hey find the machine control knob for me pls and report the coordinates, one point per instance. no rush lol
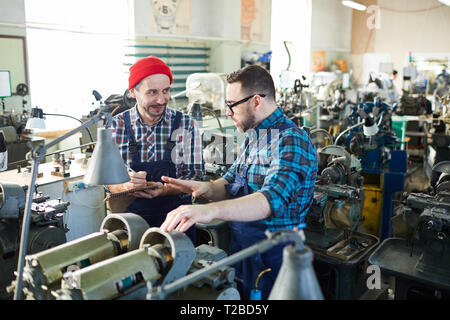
(441, 236)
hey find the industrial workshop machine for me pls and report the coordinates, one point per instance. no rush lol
(206, 96)
(47, 228)
(165, 265)
(439, 150)
(161, 258)
(332, 225)
(294, 101)
(206, 90)
(115, 104)
(420, 261)
(45, 271)
(383, 162)
(413, 204)
(336, 112)
(338, 198)
(13, 127)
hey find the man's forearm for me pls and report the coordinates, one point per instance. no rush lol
(248, 208)
(116, 188)
(218, 191)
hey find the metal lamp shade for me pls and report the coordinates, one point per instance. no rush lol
(296, 279)
(106, 165)
(35, 123)
(370, 131)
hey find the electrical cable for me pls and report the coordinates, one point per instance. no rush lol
(289, 55)
(412, 11)
(215, 116)
(259, 276)
(346, 130)
(65, 115)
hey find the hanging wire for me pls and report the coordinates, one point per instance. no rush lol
(412, 11)
(289, 54)
(259, 276)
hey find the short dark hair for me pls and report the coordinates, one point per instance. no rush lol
(254, 80)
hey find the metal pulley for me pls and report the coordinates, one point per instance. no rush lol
(119, 233)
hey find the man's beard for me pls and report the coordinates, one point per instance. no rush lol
(248, 123)
(148, 110)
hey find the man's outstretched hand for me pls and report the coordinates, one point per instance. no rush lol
(196, 188)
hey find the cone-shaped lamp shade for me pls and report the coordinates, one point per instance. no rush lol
(296, 279)
(106, 165)
(35, 123)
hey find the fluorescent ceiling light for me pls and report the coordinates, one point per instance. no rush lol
(446, 2)
(357, 6)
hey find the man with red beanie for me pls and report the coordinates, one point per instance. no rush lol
(156, 141)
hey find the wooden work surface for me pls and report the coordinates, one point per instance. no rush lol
(51, 134)
(24, 178)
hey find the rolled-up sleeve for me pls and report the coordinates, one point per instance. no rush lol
(289, 183)
(231, 173)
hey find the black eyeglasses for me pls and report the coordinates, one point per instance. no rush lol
(231, 106)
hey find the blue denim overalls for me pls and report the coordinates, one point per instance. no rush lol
(246, 234)
(154, 210)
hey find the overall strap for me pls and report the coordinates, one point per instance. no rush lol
(132, 145)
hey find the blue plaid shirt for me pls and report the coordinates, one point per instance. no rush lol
(284, 172)
(152, 141)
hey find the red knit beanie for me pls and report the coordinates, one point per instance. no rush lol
(145, 67)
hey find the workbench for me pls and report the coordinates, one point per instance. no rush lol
(86, 210)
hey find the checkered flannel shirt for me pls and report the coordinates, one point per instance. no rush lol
(152, 141)
(285, 177)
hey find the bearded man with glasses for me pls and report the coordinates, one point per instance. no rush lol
(270, 185)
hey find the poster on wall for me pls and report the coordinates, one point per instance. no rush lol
(252, 20)
(319, 60)
(171, 16)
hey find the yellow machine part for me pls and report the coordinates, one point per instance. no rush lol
(372, 209)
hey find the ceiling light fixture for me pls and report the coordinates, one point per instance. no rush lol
(354, 5)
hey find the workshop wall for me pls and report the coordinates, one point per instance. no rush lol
(216, 23)
(12, 22)
(12, 14)
(404, 26)
(419, 31)
(331, 29)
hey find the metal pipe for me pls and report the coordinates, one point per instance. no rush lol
(65, 115)
(25, 228)
(274, 239)
(71, 148)
(348, 129)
